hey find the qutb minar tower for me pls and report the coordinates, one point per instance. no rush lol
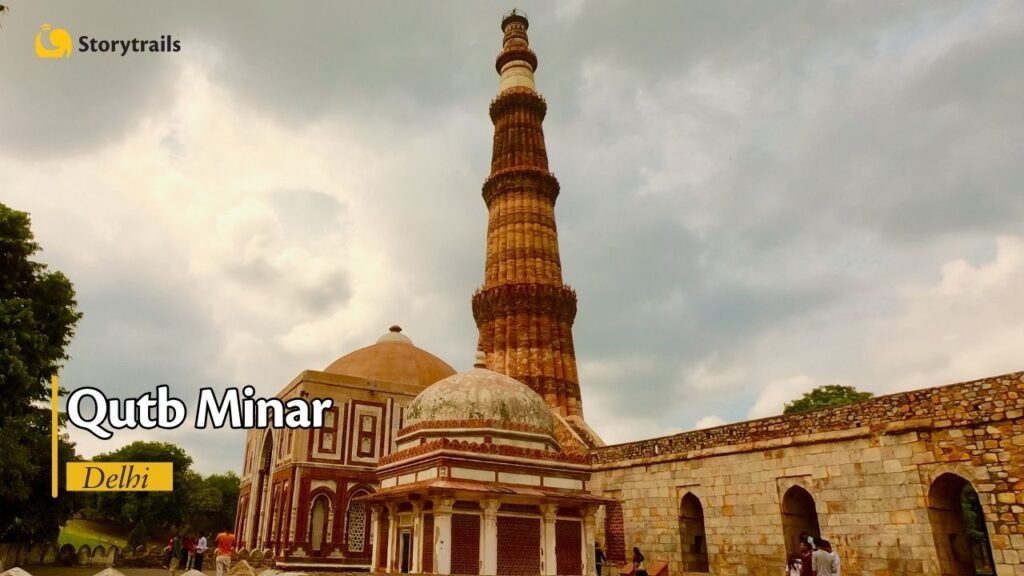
(524, 311)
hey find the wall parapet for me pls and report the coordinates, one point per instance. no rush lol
(993, 399)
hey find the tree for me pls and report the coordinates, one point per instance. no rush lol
(196, 502)
(157, 510)
(38, 314)
(830, 396)
(221, 494)
(139, 535)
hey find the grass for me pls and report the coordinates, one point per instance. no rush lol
(92, 533)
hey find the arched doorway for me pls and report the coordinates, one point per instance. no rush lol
(261, 520)
(318, 523)
(799, 515)
(958, 525)
(692, 536)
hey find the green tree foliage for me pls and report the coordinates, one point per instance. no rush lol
(38, 314)
(196, 502)
(830, 396)
(155, 509)
(139, 535)
(974, 518)
(221, 489)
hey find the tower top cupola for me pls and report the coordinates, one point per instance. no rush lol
(516, 63)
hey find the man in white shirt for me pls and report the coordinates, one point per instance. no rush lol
(835, 557)
(200, 551)
(824, 562)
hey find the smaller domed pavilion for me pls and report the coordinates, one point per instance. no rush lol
(478, 484)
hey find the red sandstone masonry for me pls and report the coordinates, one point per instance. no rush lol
(972, 403)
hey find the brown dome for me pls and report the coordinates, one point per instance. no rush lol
(393, 358)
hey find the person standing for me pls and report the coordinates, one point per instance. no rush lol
(200, 551)
(187, 547)
(174, 547)
(639, 566)
(806, 559)
(833, 557)
(225, 547)
(822, 559)
(599, 558)
(793, 566)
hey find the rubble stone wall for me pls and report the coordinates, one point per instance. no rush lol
(871, 469)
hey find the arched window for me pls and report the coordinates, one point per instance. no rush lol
(356, 525)
(318, 523)
(261, 528)
(691, 533)
(799, 515)
(958, 525)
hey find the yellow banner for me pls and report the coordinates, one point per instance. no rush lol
(120, 476)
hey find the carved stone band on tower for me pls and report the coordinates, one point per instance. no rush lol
(524, 311)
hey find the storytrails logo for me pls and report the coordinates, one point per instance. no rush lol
(57, 43)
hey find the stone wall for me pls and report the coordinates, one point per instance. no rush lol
(15, 554)
(871, 470)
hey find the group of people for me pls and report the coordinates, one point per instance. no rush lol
(186, 552)
(639, 566)
(816, 558)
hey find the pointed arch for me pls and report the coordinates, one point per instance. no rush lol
(799, 515)
(357, 522)
(319, 512)
(692, 536)
(264, 471)
(958, 527)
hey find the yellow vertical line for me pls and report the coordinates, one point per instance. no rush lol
(53, 438)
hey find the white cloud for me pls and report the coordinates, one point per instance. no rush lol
(774, 396)
(708, 422)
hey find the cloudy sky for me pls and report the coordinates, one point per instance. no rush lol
(757, 198)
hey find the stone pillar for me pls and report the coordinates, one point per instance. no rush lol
(417, 538)
(374, 536)
(589, 539)
(293, 520)
(392, 535)
(490, 537)
(549, 563)
(443, 535)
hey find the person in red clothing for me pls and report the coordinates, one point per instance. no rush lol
(225, 548)
(190, 549)
(806, 555)
(186, 543)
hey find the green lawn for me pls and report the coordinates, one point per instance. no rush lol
(79, 532)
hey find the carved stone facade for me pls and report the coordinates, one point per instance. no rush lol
(524, 311)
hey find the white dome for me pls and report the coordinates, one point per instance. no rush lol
(480, 398)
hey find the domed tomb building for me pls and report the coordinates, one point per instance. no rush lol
(300, 488)
(478, 484)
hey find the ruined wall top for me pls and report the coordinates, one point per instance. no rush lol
(956, 405)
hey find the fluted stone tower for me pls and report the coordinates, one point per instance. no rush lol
(524, 311)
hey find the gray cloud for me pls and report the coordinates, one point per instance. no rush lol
(753, 195)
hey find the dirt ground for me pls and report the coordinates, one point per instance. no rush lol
(90, 570)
